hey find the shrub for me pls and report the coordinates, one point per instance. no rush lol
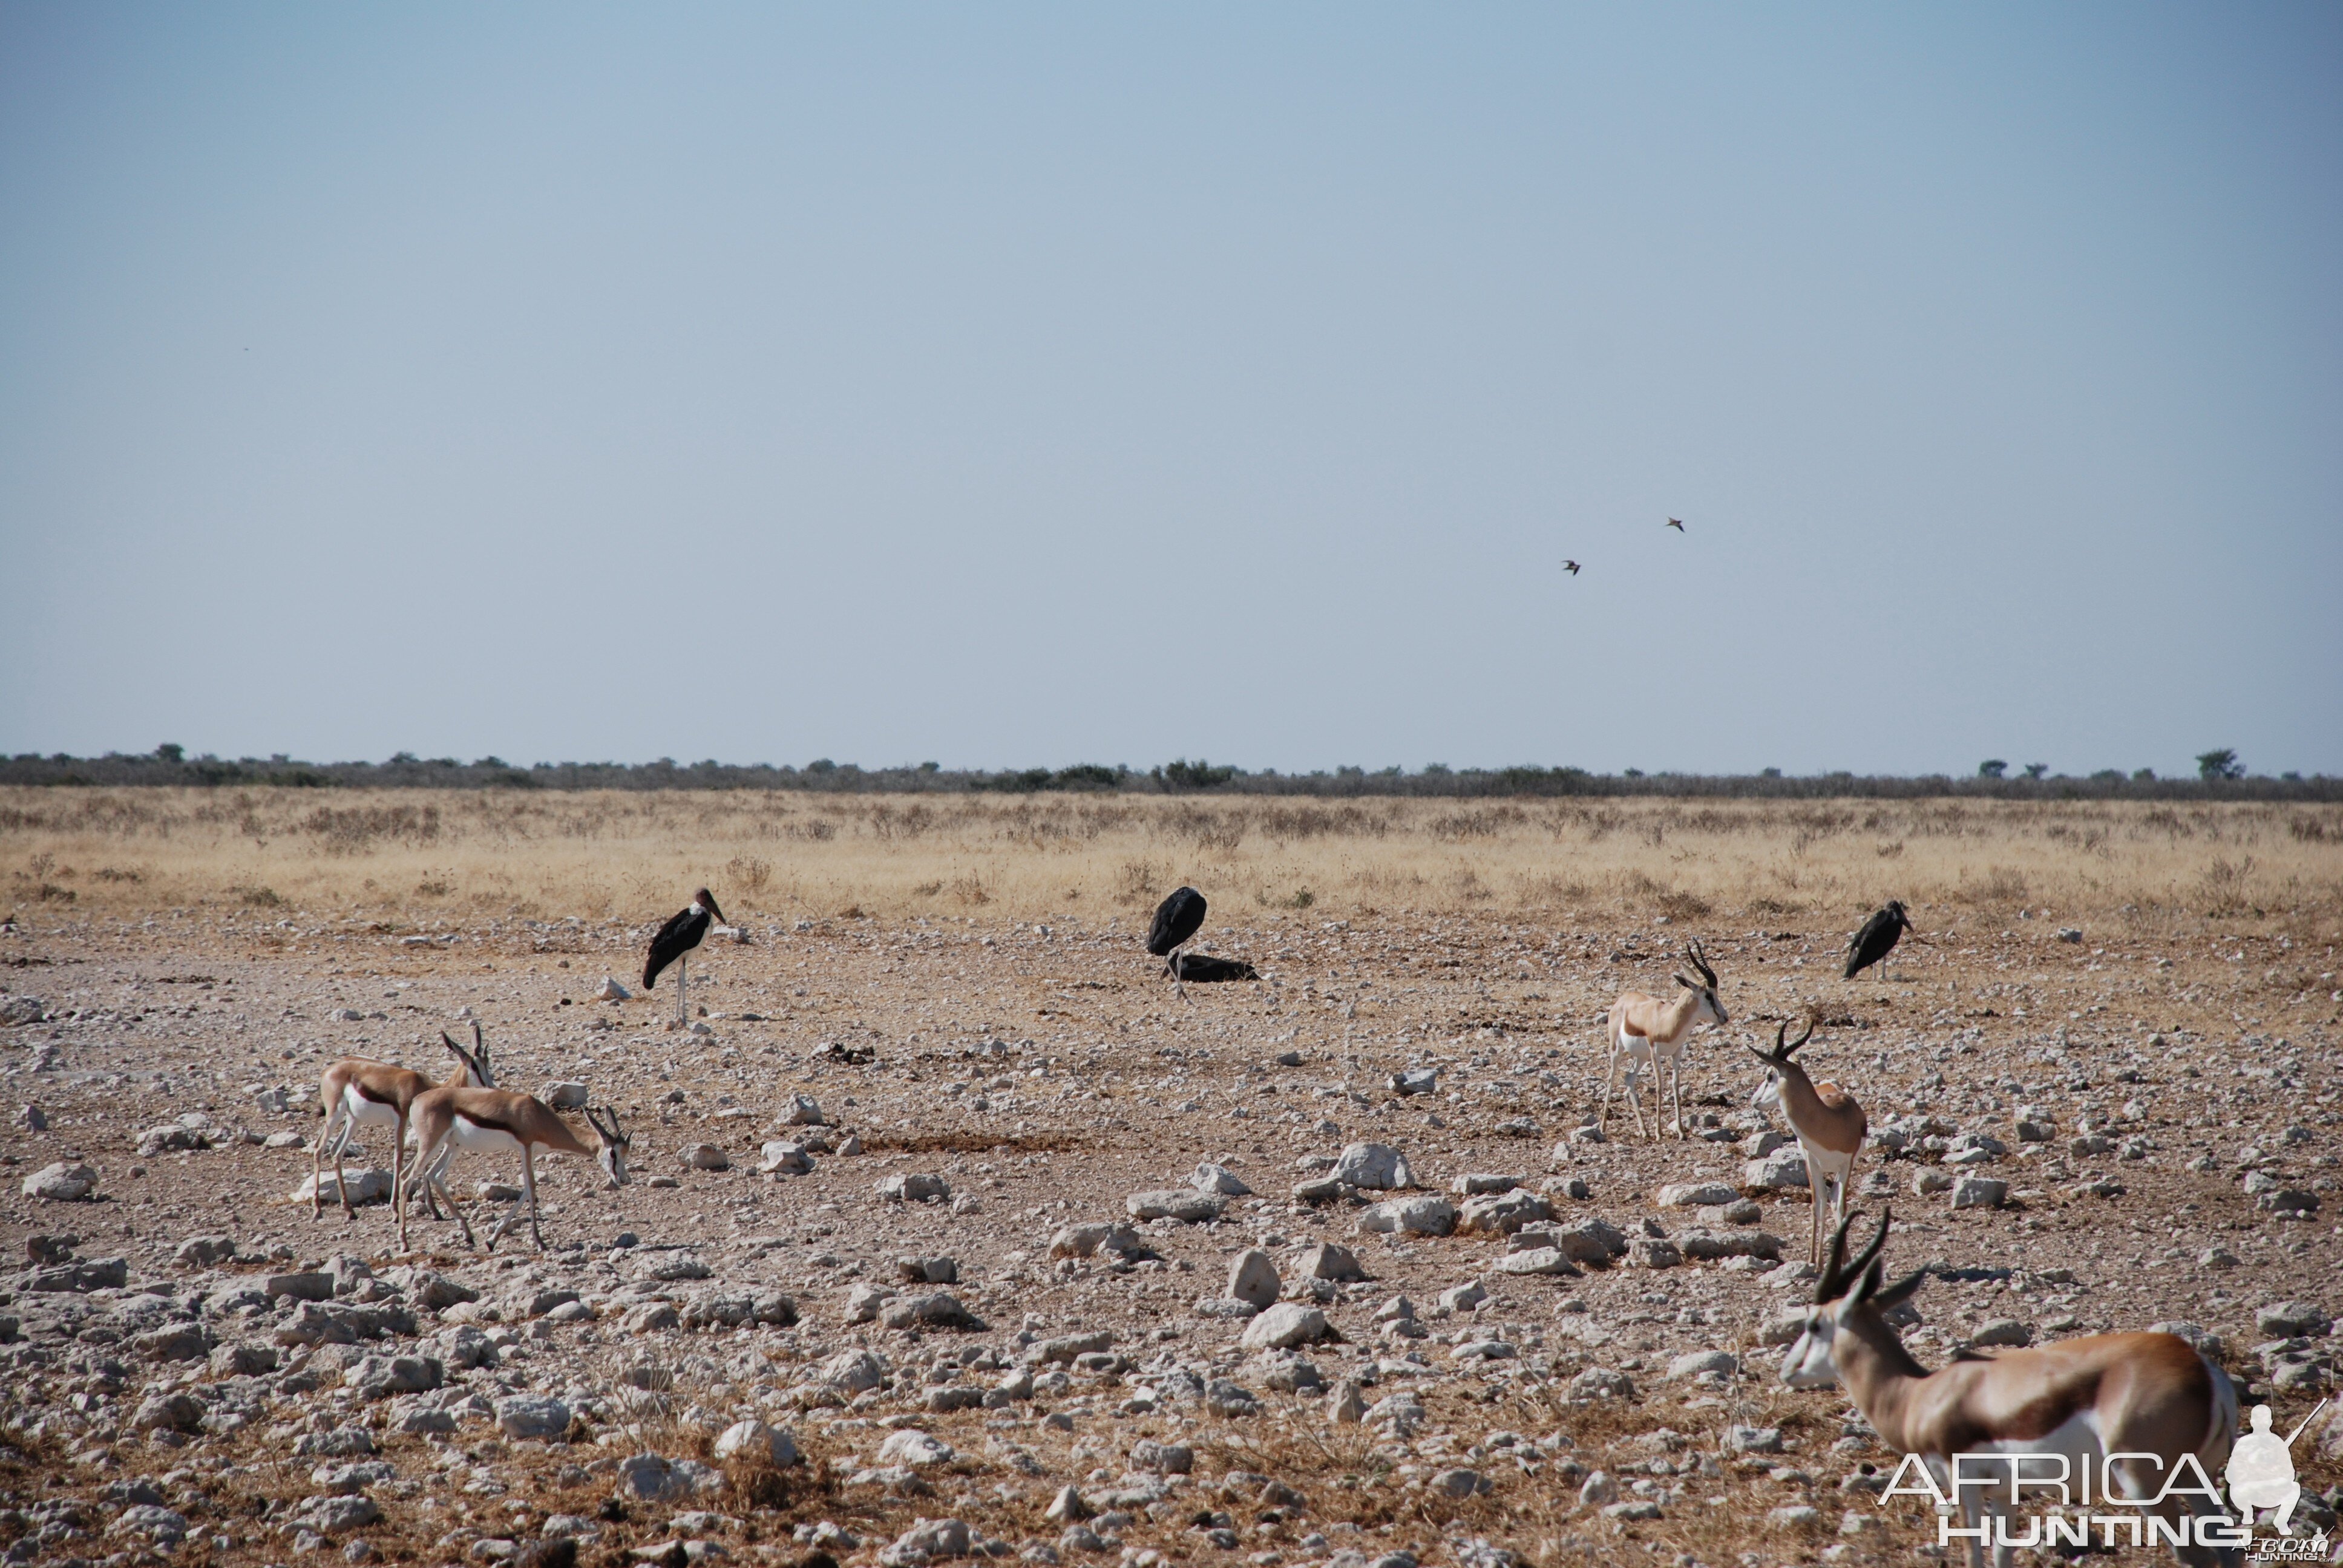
(1182, 774)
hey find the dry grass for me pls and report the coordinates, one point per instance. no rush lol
(421, 855)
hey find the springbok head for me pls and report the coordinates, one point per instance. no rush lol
(614, 1142)
(1848, 1295)
(1777, 1062)
(478, 1070)
(1708, 1007)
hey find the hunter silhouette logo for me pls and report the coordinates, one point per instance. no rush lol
(2260, 1472)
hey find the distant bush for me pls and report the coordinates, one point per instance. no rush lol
(1200, 774)
(2220, 777)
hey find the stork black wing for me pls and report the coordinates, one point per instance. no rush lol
(1872, 943)
(674, 939)
(1177, 919)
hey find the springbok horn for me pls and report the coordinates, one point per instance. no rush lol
(1794, 1045)
(1834, 1263)
(1870, 1255)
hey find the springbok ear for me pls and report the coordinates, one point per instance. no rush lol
(1901, 1292)
(449, 1043)
(480, 1040)
(1688, 985)
(1758, 1053)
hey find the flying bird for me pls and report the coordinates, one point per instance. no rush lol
(1676, 523)
(1877, 938)
(1569, 567)
(674, 945)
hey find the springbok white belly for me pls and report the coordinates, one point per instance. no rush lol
(2077, 1438)
(358, 1108)
(469, 1134)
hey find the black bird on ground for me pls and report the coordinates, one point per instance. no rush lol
(1877, 938)
(1177, 919)
(1676, 523)
(1569, 567)
(674, 945)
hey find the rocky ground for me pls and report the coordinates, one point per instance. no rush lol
(954, 1239)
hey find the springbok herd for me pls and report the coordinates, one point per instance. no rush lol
(911, 1205)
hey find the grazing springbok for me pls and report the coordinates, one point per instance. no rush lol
(2135, 1423)
(1828, 1121)
(358, 1089)
(500, 1121)
(1646, 1031)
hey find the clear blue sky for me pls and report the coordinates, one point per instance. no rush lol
(1008, 384)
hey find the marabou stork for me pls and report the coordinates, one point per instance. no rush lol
(674, 944)
(1877, 938)
(1676, 523)
(1177, 919)
(1569, 567)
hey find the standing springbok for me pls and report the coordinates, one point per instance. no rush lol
(1828, 1122)
(359, 1090)
(500, 1120)
(1646, 1031)
(2147, 1415)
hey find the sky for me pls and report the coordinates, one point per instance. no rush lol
(1025, 385)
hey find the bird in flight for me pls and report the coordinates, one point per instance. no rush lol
(1569, 567)
(1676, 523)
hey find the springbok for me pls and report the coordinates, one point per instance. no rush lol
(359, 1090)
(498, 1121)
(1646, 1031)
(2141, 1422)
(1828, 1122)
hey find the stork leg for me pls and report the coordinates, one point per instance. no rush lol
(1179, 986)
(683, 992)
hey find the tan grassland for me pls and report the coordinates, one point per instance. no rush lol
(422, 855)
